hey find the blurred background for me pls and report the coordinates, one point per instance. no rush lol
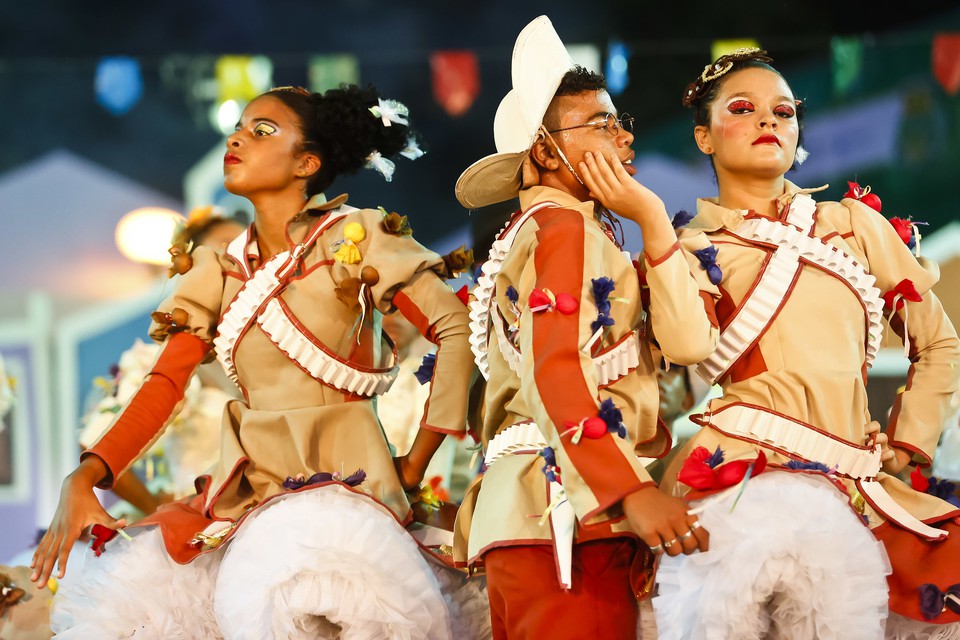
(110, 107)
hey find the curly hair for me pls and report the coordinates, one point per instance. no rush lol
(339, 127)
(580, 79)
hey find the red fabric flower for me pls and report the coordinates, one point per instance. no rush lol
(699, 474)
(905, 290)
(464, 294)
(918, 481)
(863, 195)
(904, 229)
(540, 300)
(101, 536)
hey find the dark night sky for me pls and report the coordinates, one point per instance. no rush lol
(48, 52)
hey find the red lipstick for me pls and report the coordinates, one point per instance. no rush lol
(231, 159)
(767, 139)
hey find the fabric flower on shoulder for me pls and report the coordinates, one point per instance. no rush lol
(10, 594)
(706, 471)
(395, 224)
(457, 261)
(907, 229)
(172, 322)
(863, 195)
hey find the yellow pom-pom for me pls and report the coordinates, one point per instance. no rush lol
(53, 585)
(354, 232)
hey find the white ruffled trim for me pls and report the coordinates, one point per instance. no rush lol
(319, 364)
(770, 428)
(261, 286)
(134, 590)
(901, 628)
(326, 562)
(791, 560)
(758, 309)
(524, 437)
(483, 292)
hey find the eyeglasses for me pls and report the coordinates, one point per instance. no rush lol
(610, 122)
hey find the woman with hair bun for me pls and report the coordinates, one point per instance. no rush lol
(795, 481)
(300, 529)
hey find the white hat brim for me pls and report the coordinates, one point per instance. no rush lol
(491, 180)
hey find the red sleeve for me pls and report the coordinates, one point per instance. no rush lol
(151, 408)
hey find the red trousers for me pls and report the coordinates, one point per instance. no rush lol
(526, 600)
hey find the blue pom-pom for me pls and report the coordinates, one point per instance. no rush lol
(512, 294)
(610, 414)
(716, 458)
(708, 260)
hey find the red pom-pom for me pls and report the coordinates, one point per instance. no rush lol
(863, 195)
(594, 428)
(918, 481)
(464, 294)
(567, 304)
(872, 201)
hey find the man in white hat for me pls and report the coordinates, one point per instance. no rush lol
(563, 331)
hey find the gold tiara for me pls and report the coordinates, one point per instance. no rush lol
(718, 68)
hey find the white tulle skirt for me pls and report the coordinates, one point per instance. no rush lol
(791, 561)
(325, 563)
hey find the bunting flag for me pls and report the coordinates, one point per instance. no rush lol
(618, 56)
(723, 47)
(329, 72)
(846, 61)
(456, 80)
(118, 84)
(242, 78)
(946, 61)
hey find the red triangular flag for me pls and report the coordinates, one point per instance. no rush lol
(456, 80)
(946, 61)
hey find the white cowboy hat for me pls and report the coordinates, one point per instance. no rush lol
(539, 63)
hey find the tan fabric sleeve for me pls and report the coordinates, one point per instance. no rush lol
(920, 412)
(409, 282)
(199, 292)
(682, 301)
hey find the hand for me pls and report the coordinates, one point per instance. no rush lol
(78, 509)
(410, 476)
(893, 460)
(662, 522)
(614, 188)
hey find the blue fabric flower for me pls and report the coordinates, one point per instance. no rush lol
(549, 467)
(811, 466)
(425, 372)
(610, 414)
(708, 260)
(943, 489)
(602, 288)
(682, 219)
(299, 481)
(512, 294)
(716, 458)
